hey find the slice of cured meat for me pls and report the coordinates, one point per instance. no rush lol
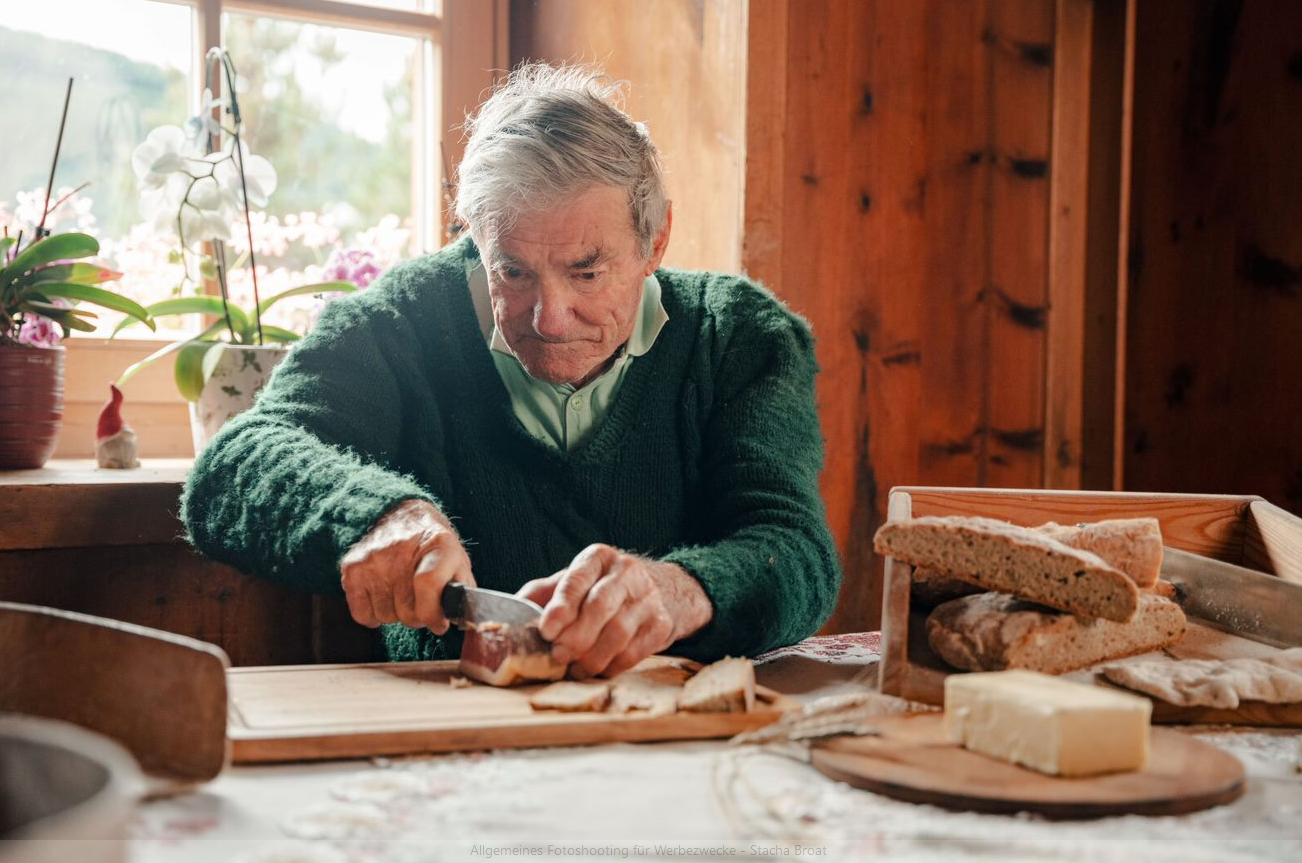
(502, 655)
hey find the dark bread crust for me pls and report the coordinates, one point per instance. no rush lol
(994, 631)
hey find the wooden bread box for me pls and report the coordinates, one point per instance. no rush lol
(1241, 529)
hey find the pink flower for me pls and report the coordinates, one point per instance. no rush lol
(351, 265)
(40, 332)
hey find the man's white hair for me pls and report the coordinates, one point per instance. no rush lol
(546, 134)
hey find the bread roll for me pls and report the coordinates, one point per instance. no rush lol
(995, 631)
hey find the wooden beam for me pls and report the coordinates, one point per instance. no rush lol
(1124, 251)
(1068, 220)
(763, 205)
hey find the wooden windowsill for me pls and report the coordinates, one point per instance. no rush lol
(71, 503)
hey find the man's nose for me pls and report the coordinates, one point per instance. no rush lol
(551, 311)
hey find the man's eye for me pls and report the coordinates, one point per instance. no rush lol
(510, 272)
(589, 275)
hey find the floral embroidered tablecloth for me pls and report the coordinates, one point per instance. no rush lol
(670, 801)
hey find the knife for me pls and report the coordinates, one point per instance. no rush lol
(464, 605)
(1241, 601)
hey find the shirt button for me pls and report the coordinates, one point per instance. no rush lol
(576, 402)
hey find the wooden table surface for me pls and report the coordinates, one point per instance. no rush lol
(665, 801)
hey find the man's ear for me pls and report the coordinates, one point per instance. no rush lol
(661, 242)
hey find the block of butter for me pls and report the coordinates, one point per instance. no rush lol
(1047, 724)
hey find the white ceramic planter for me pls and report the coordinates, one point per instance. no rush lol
(240, 375)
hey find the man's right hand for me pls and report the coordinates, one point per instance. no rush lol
(397, 571)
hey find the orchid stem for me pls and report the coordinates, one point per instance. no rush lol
(58, 144)
(238, 151)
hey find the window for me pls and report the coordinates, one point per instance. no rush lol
(356, 104)
(336, 96)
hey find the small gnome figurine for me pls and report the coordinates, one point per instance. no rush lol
(115, 441)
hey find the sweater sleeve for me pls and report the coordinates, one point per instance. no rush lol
(288, 486)
(770, 567)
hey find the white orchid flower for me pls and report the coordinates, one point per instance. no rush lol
(203, 124)
(182, 186)
(204, 223)
(161, 154)
(259, 175)
(159, 203)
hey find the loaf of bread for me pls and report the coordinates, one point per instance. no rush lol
(1000, 556)
(727, 686)
(1132, 545)
(995, 631)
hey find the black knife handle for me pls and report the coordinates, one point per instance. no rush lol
(454, 602)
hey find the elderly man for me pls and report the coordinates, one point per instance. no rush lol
(541, 408)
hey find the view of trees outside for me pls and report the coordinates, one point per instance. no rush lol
(329, 108)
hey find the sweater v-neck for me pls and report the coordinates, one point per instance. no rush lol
(497, 402)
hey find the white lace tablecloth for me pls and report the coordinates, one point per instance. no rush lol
(690, 800)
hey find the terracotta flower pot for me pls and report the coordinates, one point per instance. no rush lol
(239, 376)
(31, 404)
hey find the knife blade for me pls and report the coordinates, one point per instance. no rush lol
(1234, 599)
(464, 605)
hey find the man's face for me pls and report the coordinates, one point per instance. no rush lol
(565, 284)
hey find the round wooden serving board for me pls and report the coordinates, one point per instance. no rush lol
(913, 760)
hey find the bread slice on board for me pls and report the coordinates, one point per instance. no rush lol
(570, 696)
(726, 686)
(997, 555)
(1132, 545)
(995, 631)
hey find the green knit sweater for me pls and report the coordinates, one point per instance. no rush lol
(709, 456)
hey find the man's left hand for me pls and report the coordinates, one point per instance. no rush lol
(609, 610)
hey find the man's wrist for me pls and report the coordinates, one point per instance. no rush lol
(694, 610)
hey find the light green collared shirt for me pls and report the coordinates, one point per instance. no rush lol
(559, 414)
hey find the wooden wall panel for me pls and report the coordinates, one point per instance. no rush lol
(912, 173)
(1215, 251)
(1019, 36)
(685, 61)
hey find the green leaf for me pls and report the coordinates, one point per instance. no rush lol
(206, 335)
(191, 361)
(5, 243)
(202, 305)
(99, 297)
(67, 319)
(51, 248)
(318, 288)
(50, 310)
(211, 359)
(273, 333)
(82, 274)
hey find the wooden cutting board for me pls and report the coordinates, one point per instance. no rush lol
(303, 713)
(913, 760)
